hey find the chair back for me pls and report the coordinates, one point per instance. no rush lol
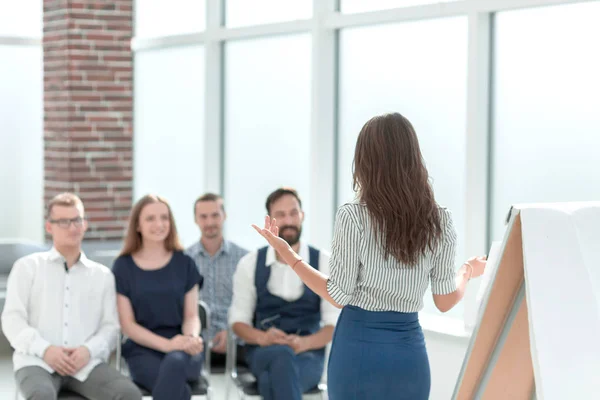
(13, 249)
(204, 314)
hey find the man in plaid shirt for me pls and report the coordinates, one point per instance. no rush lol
(216, 259)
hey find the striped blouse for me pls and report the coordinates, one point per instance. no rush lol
(361, 276)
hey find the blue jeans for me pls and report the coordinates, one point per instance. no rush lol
(284, 375)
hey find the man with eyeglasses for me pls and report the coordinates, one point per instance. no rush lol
(285, 325)
(60, 315)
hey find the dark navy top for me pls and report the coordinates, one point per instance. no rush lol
(157, 296)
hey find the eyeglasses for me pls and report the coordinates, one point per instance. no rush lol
(66, 223)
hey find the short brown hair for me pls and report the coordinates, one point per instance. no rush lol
(209, 197)
(279, 193)
(63, 199)
(133, 239)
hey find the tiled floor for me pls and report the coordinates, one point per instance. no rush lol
(7, 382)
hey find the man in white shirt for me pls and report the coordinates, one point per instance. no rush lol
(285, 325)
(60, 315)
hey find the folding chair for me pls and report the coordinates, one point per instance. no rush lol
(201, 387)
(10, 251)
(243, 380)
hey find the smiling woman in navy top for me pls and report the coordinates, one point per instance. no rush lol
(157, 300)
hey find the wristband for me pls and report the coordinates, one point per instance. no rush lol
(297, 261)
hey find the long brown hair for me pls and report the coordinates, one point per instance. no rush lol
(391, 180)
(133, 239)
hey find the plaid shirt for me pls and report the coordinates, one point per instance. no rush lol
(218, 280)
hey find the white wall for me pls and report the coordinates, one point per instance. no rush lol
(446, 354)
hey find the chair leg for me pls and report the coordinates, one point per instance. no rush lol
(241, 394)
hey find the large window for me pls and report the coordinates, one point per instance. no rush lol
(21, 120)
(154, 18)
(546, 130)
(356, 6)
(245, 96)
(169, 126)
(21, 141)
(21, 18)
(499, 108)
(255, 12)
(267, 128)
(419, 70)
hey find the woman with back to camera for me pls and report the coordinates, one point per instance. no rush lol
(157, 300)
(387, 246)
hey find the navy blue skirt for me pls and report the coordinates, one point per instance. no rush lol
(379, 356)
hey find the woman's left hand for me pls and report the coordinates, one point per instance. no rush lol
(271, 233)
(478, 265)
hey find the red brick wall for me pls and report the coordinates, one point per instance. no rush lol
(88, 79)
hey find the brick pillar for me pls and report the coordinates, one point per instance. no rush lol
(88, 106)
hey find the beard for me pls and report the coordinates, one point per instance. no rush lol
(291, 234)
